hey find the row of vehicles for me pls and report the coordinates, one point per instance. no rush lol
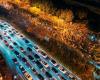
(31, 55)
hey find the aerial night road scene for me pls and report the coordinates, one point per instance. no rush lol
(49, 39)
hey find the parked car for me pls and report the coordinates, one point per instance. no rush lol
(61, 77)
(62, 69)
(42, 53)
(44, 63)
(40, 77)
(54, 62)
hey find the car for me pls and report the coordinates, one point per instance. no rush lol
(10, 31)
(29, 49)
(17, 33)
(16, 53)
(5, 28)
(13, 29)
(15, 60)
(22, 69)
(25, 40)
(39, 65)
(21, 36)
(30, 57)
(98, 63)
(40, 77)
(1, 26)
(48, 75)
(61, 77)
(22, 49)
(24, 52)
(70, 76)
(34, 71)
(35, 47)
(6, 24)
(15, 43)
(67, 73)
(24, 60)
(62, 69)
(6, 43)
(43, 70)
(5, 33)
(53, 79)
(9, 38)
(28, 76)
(74, 78)
(54, 70)
(44, 63)
(1, 37)
(10, 47)
(36, 56)
(30, 45)
(42, 53)
(28, 64)
(54, 62)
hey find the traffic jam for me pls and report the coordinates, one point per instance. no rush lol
(30, 61)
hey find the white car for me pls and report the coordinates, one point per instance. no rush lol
(62, 69)
(42, 53)
(44, 63)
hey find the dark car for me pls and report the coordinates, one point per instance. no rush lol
(26, 41)
(39, 64)
(53, 62)
(9, 38)
(6, 43)
(10, 47)
(36, 47)
(15, 43)
(24, 59)
(10, 31)
(28, 64)
(30, 57)
(54, 70)
(34, 71)
(16, 53)
(22, 49)
(40, 77)
(21, 35)
(1, 26)
(29, 49)
(22, 68)
(1, 37)
(36, 56)
(15, 60)
(48, 75)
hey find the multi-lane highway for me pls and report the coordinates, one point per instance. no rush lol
(26, 59)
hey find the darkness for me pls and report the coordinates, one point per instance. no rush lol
(94, 22)
(59, 4)
(93, 18)
(3, 11)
